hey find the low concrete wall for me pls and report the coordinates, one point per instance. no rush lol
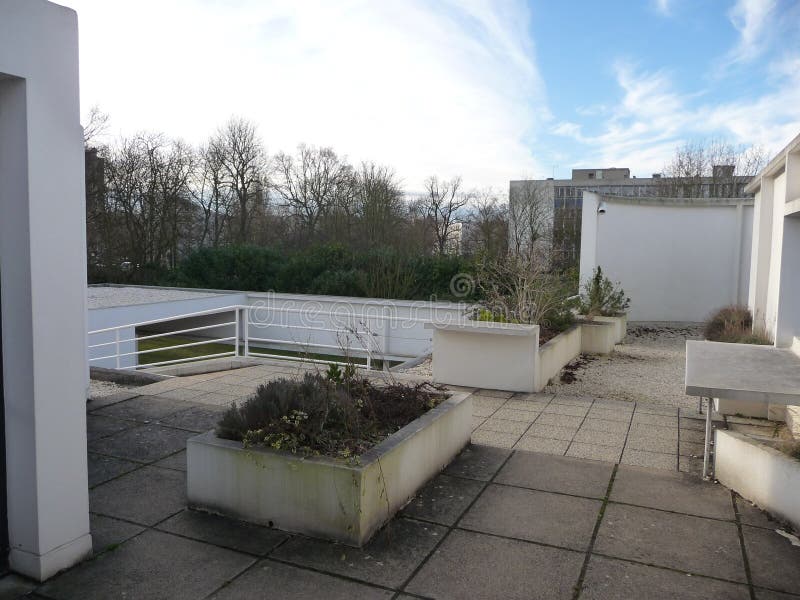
(320, 496)
(484, 354)
(555, 354)
(757, 410)
(598, 337)
(620, 325)
(765, 476)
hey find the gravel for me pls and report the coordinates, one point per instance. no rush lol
(98, 389)
(648, 367)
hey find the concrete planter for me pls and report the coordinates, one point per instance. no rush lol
(485, 354)
(620, 325)
(598, 337)
(556, 354)
(765, 476)
(321, 496)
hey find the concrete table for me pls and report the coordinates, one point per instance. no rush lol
(740, 372)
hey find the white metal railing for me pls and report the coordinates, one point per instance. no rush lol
(358, 340)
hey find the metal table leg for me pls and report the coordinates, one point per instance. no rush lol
(707, 446)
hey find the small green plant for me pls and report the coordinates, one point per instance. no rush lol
(336, 415)
(734, 324)
(602, 297)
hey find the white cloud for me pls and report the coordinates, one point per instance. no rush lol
(427, 88)
(663, 7)
(750, 18)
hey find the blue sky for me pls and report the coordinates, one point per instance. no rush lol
(490, 90)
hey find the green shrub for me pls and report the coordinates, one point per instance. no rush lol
(249, 268)
(601, 296)
(339, 415)
(734, 324)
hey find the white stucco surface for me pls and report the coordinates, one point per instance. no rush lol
(113, 296)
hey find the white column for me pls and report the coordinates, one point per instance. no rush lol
(42, 265)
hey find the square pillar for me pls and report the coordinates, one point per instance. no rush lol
(43, 274)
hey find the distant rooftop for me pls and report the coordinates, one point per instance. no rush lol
(112, 296)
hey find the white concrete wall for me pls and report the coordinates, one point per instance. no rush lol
(676, 261)
(43, 271)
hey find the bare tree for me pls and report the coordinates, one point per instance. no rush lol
(487, 225)
(214, 195)
(313, 185)
(531, 218)
(710, 169)
(443, 202)
(96, 126)
(240, 153)
(379, 205)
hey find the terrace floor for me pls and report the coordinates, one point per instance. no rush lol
(498, 523)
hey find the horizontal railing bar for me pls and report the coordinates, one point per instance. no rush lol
(309, 344)
(165, 348)
(147, 337)
(212, 311)
(180, 360)
(297, 359)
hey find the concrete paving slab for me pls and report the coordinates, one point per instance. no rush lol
(691, 449)
(477, 422)
(144, 409)
(774, 561)
(108, 533)
(682, 542)
(104, 468)
(555, 519)
(524, 416)
(673, 491)
(653, 431)
(554, 432)
(689, 423)
(482, 567)
(145, 496)
(653, 460)
(609, 415)
(444, 499)
(13, 586)
(651, 419)
(99, 427)
(526, 405)
(483, 411)
(224, 532)
(532, 443)
(611, 404)
(487, 402)
(477, 462)
(693, 466)
(572, 400)
(655, 409)
(291, 583)
(101, 401)
(652, 445)
(566, 409)
(749, 514)
(144, 444)
(184, 394)
(494, 394)
(175, 461)
(601, 438)
(494, 438)
(609, 454)
(556, 474)
(692, 435)
(559, 420)
(198, 419)
(535, 397)
(388, 560)
(505, 426)
(610, 579)
(151, 566)
(596, 424)
(762, 594)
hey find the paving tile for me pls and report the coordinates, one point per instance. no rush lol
(108, 532)
(653, 445)
(553, 432)
(556, 474)
(172, 383)
(750, 514)
(221, 531)
(532, 443)
(650, 419)
(595, 452)
(153, 565)
(690, 465)
(610, 404)
(595, 424)
(485, 402)
(565, 409)
(653, 460)
(672, 491)
(389, 559)
(559, 420)
(653, 431)
(523, 416)
(101, 401)
(683, 542)
(184, 394)
(144, 409)
(501, 425)
(609, 415)
(218, 399)
(98, 426)
(601, 438)
(145, 496)
(773, 559)
(477, 462)
(198, 419)
(175, 461)
(696, 424)
(555, 519)
(291, 583)
(494, 394)
(654, 409)
(610, 579)
(14, 586)
(444, 499)
(535, 397)
(145, 444)
(692, 435)
(762, 594)
(526, 405)
(482, 567)
(494, 438)
(477, 422)
(572, 401)
(482, 411)
(691, 449)
(104, 468)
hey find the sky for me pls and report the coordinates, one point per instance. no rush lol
(490, 90)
